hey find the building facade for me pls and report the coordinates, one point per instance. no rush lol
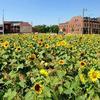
(16, 27)
(1, 28)
(81, 25)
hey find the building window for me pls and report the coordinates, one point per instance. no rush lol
(1, 28)
(76, 20)
(85, 25)
(77, 29)
(79, 25)
(6, 27)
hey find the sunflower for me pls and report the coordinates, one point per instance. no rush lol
(47, 46)
(94, 75)
(43, 72)
(35, 37)
(58, 44)
(89, 41)
(61, 62)
(38, 88)
(18, 49)
(63, 43)
(40, 43)
(82, 64)
(81, 76)
(98, 74)
(5, 44)
(31, 57)
(82, 54)
(49, 37)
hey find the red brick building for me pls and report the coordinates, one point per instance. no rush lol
(79, 25)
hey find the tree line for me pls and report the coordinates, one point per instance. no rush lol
(46, 29)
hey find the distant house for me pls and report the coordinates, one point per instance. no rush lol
(16, 27)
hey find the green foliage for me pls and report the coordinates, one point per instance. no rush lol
(49, 67)
(9, 95)
(46, 29)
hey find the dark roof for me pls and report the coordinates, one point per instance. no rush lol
(19, 22)
(92, 19)
(13, 21)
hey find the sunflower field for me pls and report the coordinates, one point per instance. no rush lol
(49, 67)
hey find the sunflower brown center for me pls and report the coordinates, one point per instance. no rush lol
(18, 48)
(82, 63)
(82, 54)
(94, 75)
(6, 44)
(37, 87)
(61, 62)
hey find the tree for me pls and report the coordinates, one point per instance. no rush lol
(46, 29)
(54, 29)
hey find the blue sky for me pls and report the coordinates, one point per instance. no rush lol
(47, 11)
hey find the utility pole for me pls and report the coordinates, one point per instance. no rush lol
(59, 23)
(32, 26)
(3, 21)
(84, 9)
